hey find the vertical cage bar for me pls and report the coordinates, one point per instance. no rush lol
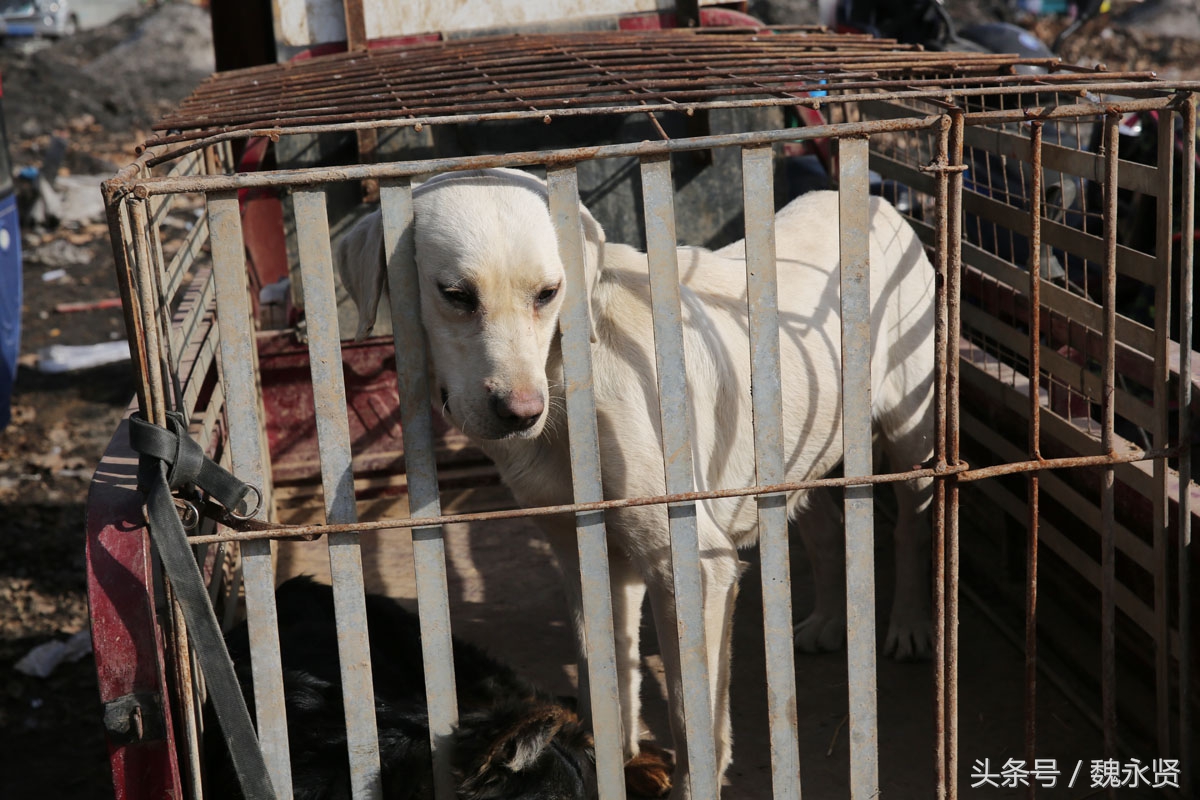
(855, 233)
(117, 214)
(941, 354)
(187, 696)
(1035, 421)
(954, 218)
(658, 197)
(170, 355)
(1161, 433)
(586, 483)
(337, 481)
(762, 292)
(1108, 640)
(148, 305)
(246, 450)
(416, 420)
(1187, 252)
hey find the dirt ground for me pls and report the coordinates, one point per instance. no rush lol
(100, 90)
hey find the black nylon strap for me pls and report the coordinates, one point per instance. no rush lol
(188, 465)
(179, 564)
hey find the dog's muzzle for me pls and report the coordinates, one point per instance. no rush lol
(518, 410)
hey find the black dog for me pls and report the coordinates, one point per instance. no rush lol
(512, 740)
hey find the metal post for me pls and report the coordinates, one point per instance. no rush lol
(585, 478)
(148, 306)
(245, 434)
(762, 293)
(337, 480)
(416, 420)
(855, 232)
(1108, 621)
(954, 217)
(941, 354)
(1035, 453)
(1187, 251)
(658, 195)
(1161, 432)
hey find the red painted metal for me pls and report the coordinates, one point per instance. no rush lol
(125, 635)
(369, 369)
(262, 221)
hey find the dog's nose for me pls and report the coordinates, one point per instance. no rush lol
(519, 408)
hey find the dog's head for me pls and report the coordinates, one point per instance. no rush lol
(523, 752)
(492, 284)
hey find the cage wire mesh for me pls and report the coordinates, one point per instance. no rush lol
(1071, 413)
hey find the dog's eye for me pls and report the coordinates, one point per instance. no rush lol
(546, 295)
(460, 298)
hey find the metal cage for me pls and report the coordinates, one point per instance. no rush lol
(1042, 380)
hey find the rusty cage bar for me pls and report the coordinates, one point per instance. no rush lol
(1028, 350)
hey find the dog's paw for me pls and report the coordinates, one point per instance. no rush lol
(820, 633)
(648, 774)
(909, 641)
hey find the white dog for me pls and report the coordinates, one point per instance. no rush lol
(492, 284)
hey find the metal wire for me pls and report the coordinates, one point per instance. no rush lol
(548, 76)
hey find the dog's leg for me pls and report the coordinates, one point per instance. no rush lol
(628, 593)
(647, 767)
(820, 528)
(720, 570)
(561, 536)
(648, 770)
(910, 631)
(662, 604)
(720, 597)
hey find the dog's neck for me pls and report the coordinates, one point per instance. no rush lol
(538, 470)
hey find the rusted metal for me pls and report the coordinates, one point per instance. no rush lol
(546, 72)
(117, 214)
(1160, 430)
(1066, 462)
(356, 26)
(148, 306)
(162, 153)
(255, 530)
(1187, 251)
(941, 355)
(527, 78)
(169, 360)
(1035, 453)
(1108, 618)
(954, 214)
(409, 169)
(190, 722)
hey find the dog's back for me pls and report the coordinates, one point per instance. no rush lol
(716, 341)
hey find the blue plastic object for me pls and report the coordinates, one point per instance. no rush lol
(10, 302)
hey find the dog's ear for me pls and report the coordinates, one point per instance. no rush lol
(359, 259)
(593, 260)
(508, 747)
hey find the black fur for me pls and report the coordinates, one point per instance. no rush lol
(512, 741)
